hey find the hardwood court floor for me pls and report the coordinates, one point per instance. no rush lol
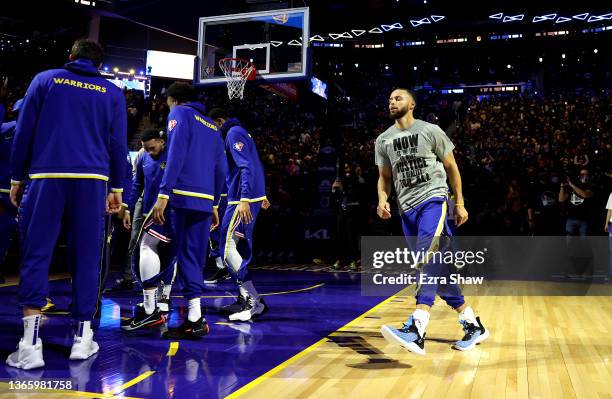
(540, 347)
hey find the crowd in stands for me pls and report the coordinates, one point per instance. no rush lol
(514, 152)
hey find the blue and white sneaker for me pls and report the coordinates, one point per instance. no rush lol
(474, 334)
(407, 337)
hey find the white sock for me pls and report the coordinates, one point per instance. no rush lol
(219, 263)
(468, 315)
(166, 291)
(248, 289)
(149, 258)
(233, 259)
(84, 329)
(421, 319)
(149, 300)
(31, 324)
(195, 311)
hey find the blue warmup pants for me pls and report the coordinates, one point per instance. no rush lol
(47, 205)
(232, 226)
(192, 231)
(422, 226)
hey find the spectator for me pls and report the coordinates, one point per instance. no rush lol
(608, 229)
(578, 207)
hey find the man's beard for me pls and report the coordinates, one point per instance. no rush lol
(398, 114)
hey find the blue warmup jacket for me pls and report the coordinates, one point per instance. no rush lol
(127, 182)
(146, 182)
(246, 180)
(72, 124)
(7, 131)
(194, 174)
(2, 114)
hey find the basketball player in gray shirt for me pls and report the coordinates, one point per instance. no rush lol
(416, 156)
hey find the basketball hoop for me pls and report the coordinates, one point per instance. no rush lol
(237, 71)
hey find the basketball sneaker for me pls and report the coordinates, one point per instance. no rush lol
(141, 319)
(220, 275)
(252, 308)
(234, 307)
(188, 330)
(407, 337)
(83, 347)
(27, 356)
(49, 307)
(474, 334)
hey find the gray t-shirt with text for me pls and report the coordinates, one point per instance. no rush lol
(415, 156)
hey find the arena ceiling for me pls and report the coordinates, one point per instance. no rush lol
(336, 15)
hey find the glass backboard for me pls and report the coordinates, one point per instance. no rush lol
(276, 42)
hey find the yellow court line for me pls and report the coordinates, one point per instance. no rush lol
(173, 348)
(303, 353)
(267, 294)
(62, 392)
(128, 384)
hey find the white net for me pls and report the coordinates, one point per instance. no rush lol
(237, 71)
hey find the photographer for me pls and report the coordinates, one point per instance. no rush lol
(348, 193)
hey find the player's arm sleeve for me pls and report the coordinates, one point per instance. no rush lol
(178, 145)
(221, 170)
(21, 150)
(118, 145)
(441, 143)
(380, 156)
(242, 154)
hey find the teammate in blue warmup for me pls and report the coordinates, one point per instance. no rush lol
(192, 184)
(154, 263)
(417, 156)
(8, 212)
(246, 192)
(216, 252)
(71, 144)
